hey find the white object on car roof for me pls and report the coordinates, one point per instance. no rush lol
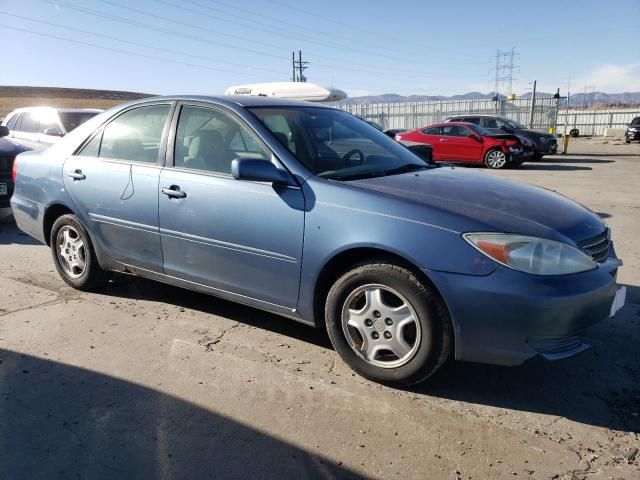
(309, 92)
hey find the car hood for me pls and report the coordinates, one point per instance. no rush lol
(464, 200)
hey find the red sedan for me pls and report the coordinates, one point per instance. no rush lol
(467, 143)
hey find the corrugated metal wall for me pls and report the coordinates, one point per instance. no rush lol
(548, 113)
(595, 122)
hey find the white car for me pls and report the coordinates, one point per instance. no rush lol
(41, 127)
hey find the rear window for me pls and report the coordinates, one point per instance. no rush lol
(71, 120)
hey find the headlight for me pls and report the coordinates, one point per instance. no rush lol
(631, 129)
(514, 148)
(543, 139)
(531, 254)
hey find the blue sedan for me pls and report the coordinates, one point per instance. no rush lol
(310, 213)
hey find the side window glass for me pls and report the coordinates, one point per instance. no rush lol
(29, 123)
(475, 120)
(491, 123)
(135, 135)
(280, 127)
(92, 148)
(46, 123)
(431, 131)
(208, 139)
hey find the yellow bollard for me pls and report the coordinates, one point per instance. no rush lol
(565, 144)
(552, 130)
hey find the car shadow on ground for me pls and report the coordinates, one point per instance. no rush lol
(10, 234)
(60, 421)
(563, 159)
(142, 289)
(551, 167)
(599, 387)
(607, 155)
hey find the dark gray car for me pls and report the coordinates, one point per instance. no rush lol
(543, 143)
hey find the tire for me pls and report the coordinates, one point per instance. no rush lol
(496, 159)
(420, 320)
(537, 157)
(627, 141)
(574, 133)
(74, 255)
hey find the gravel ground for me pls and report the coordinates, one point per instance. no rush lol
(144, 380)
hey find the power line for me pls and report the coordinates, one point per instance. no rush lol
(154, 47)
(201, 39)
(307, 30)
(157, 29)
(93, 45)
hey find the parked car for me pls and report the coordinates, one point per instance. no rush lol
(633, 130)
(252, 199)
(543, 143)
(391, 132)
(41, 127)
(8, 152)
(468, 143)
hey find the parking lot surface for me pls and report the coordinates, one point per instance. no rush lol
(144, 380)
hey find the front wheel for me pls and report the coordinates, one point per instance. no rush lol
(74, 256)
(387, 325)
(495, 159)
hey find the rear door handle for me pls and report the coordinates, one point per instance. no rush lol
(173, 192)
(77, 175)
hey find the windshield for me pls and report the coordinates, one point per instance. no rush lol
(478, 129)
(71, 120)
(337, 145)
(513, 124)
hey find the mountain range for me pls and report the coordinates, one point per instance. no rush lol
(577, 99)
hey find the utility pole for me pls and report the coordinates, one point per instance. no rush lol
(293, 66)
(533, 104)
(565, 139)
(300, 66)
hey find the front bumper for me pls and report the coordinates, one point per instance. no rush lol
(508, 317)
(549, 147)
(632, 135)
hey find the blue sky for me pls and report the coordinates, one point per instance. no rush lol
(363, 47)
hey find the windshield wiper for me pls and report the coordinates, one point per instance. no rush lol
(409, 167)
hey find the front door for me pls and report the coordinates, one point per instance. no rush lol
(240, 238)
(113, 180)
(461, 147)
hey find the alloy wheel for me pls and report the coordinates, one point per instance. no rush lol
(381, 326)
(71, 251)
(496, 159)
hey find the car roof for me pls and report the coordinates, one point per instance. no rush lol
(242, 100)
(478, 115)
(56, 109)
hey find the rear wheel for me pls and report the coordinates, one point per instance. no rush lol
(388, 325)
(74, 256)
(495, 158)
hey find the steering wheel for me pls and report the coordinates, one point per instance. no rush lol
(347, 157)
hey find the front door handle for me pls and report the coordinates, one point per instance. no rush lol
(173, 192)
(77, 175)
(443, 139)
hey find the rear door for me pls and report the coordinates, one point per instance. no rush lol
(242, 239)
(433, 136)
(113, 181)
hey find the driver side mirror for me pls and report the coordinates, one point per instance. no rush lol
(54, 132)
(4, 131)
(475, 137)
(258, 170)
(505, 128)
